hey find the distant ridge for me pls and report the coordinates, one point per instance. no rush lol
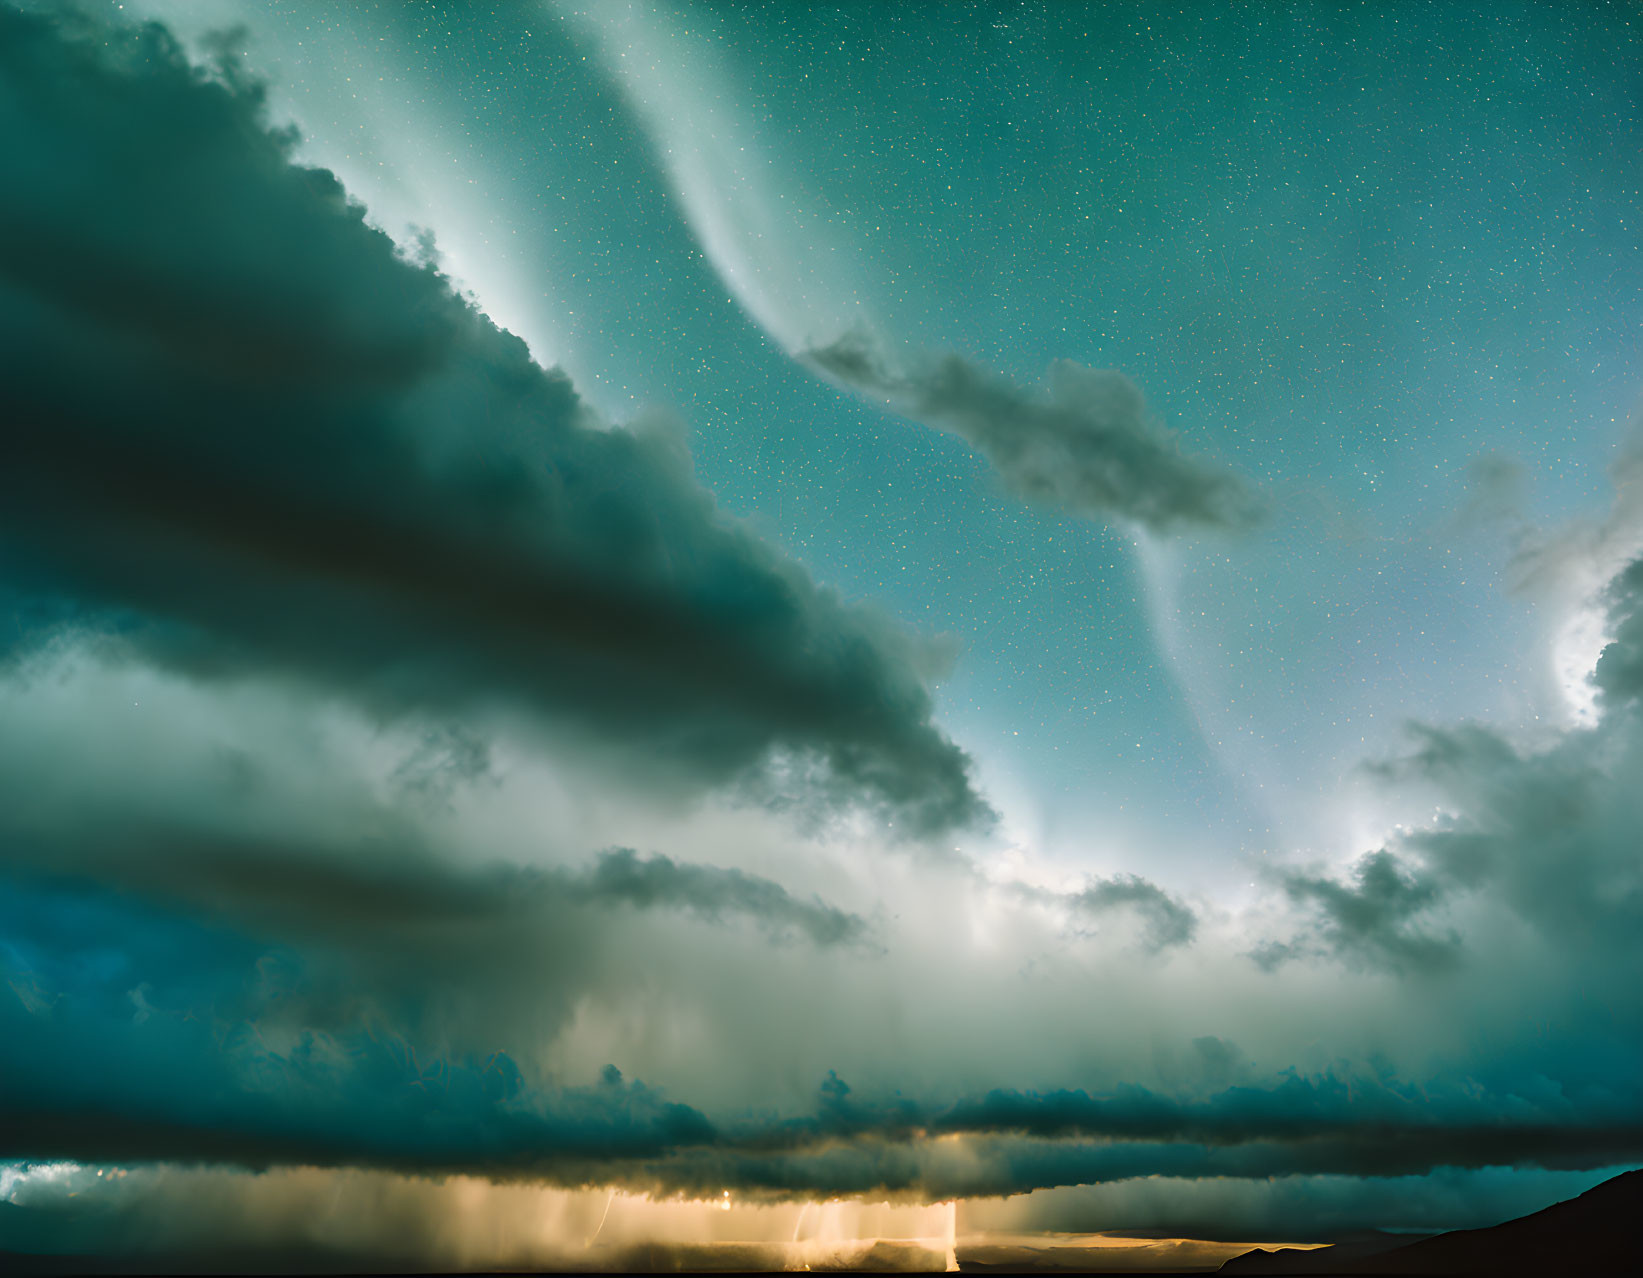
(1598, 1233)
(1311, 1260)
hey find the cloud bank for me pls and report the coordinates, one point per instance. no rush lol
(245, 432)
(1089, 446)
(1544, 835)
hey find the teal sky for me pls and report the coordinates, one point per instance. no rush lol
(1361, 255)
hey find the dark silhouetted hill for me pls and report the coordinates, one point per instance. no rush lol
(1598, 1233)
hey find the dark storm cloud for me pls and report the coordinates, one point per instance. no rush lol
(127, 1033)
(1552, 837)
(1353, 1123)
(1167, 921)
(1089, 447)
(196, 1064)
(367, 924)
(388, 886)
(623, 876)
(164, 1086)
(1007, 1165)
(251, 437)
(1548, 837)
(1619, 673)
(1376, 919)
(235, 1048)
(1015, 1142)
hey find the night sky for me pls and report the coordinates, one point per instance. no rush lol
(610, 608)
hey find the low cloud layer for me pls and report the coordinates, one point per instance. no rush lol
(217, 1088)
(290, 996)
(1088, 446)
